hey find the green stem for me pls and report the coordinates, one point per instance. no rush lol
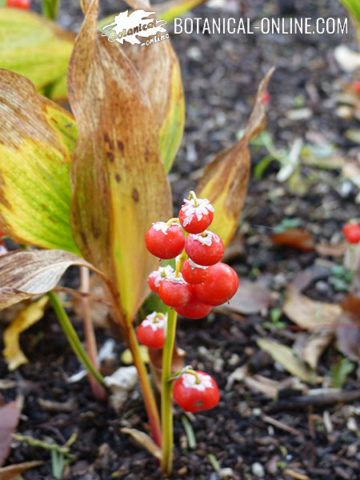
(73, 338)
(166, 389)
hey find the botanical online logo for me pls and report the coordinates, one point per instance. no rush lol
(134, 27)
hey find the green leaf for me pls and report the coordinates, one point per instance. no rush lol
(120, 184)
(33, 46)
(340, 372)
(36, 140)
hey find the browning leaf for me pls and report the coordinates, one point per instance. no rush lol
(36, 140)
(295, 238)
(120, 184)
(225, 179)
(27, 273)
(160, 74)
(144, 440)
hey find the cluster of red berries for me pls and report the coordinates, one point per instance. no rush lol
(22, 4)
(351, 232)
(200, 280)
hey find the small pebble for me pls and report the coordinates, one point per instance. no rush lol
(258, 470)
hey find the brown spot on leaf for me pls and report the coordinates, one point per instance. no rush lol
(110, 156)
(120, 145)
(108, 141)
(117, 178)
(135, 195)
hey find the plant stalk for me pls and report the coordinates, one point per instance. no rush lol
(148, 394)
(166, 390)
(73, 338)
(89, 333)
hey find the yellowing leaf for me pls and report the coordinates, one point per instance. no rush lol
(159, 70)
(287, 358)
(33, 46)
(36, 140)
(26, 318)
(27, 273)
(225, 179)
(175, 8)
(120, 184)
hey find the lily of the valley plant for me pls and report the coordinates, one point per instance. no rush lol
(86, 187)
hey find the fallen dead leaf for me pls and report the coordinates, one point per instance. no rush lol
(13, 471)
(331, 250)
(25, 319)
(348, 327)
(9, 418)
(287, 358)
(250, 298)
(144, 440)
(295, 238)
(316, 344)
(308, 313)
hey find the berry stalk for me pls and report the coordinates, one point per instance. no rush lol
(166, 391)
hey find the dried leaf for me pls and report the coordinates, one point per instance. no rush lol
(27, 273)
(348, 337)
(26, 318)
(250, 298)
(33, 46)
(144, 440)
(160, 73)
(315, 346)
(9, 418)
(308, 313)
(36, 140)
(331, 250)
(225, 179)
(287, 358)
(295, 238)
(120, 184)
(156, 363)
(13, 471)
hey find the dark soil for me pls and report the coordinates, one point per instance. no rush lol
(220, 75)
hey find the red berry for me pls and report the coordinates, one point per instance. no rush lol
(204, 249)
(194, 309)
(221, 285)
(151, 331)
(351, 231)
(156, 277)
(266, 97)
(193, 396)
(23, 4)
(196, 215)
(356, 87)
(194, 273)
(165, 241)
(174, 292)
